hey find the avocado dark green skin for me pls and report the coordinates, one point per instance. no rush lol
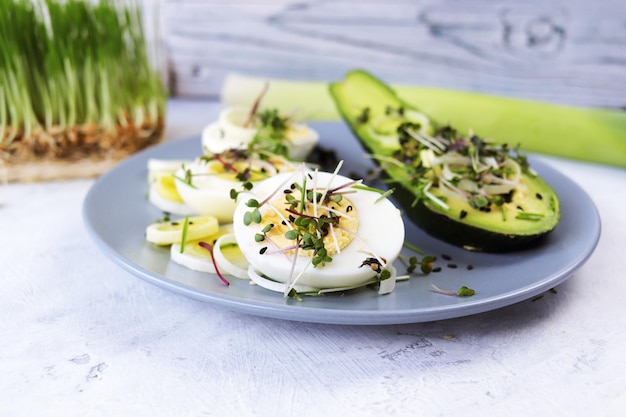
(471, 232)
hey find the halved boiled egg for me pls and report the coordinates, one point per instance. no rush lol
(158, 168)
(162, 192)
(205, 184)
(233, 130)
(164, 195)
(228, 132)
(309, 229)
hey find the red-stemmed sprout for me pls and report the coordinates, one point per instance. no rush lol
(209, 247)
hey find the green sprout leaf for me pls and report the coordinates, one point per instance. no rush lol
(465, 291)
(247, 218)
(256, 216)
(292, 234)
(385, 274)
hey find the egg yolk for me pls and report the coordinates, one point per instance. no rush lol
(232, 171)
(336, 234)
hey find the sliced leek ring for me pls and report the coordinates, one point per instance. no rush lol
(228, 257)
(167, 233)
(230, 260)
(194, 256)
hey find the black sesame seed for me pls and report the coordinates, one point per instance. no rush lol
(174, 223)
(292, 218)
(446, 257)
(263, 250)
(470, 267)
(287, 191)
(348, 209)
(284, 223)
(293, 186)
(520, 208)
(462, 214)
(453, 266)
(437, 269)
(539, 196)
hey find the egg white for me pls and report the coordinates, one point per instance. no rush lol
(206, 196)
(209, 193)
(166, 205)
(228, 133)
(161, 167)
(380, 233)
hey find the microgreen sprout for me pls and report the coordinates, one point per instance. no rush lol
(245, 186)
(186, 179)
(412, 247)
(294, 294)
(253, 216)
(529, 216)
(209, 247)
(227, 165)
(463, 291)
(260, 237)
(183, 239)
(425, 264)
(255, 105)
(482, 172)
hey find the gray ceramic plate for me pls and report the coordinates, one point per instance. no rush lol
(116, 214)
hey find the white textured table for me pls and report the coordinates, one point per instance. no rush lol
(79, 336)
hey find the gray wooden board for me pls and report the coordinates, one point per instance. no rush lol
(571, 52)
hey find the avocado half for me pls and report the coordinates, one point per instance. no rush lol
(530, 212)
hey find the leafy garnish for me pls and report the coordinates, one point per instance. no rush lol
(183, 239)
(209, 247)
(463, 291)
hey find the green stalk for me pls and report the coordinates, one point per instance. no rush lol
(586, 134)
(3, 114)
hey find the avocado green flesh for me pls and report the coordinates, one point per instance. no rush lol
(533, 209)
(531, 213)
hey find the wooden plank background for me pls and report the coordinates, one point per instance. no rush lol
(571, 52)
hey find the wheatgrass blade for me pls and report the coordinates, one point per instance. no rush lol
(68, 63)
